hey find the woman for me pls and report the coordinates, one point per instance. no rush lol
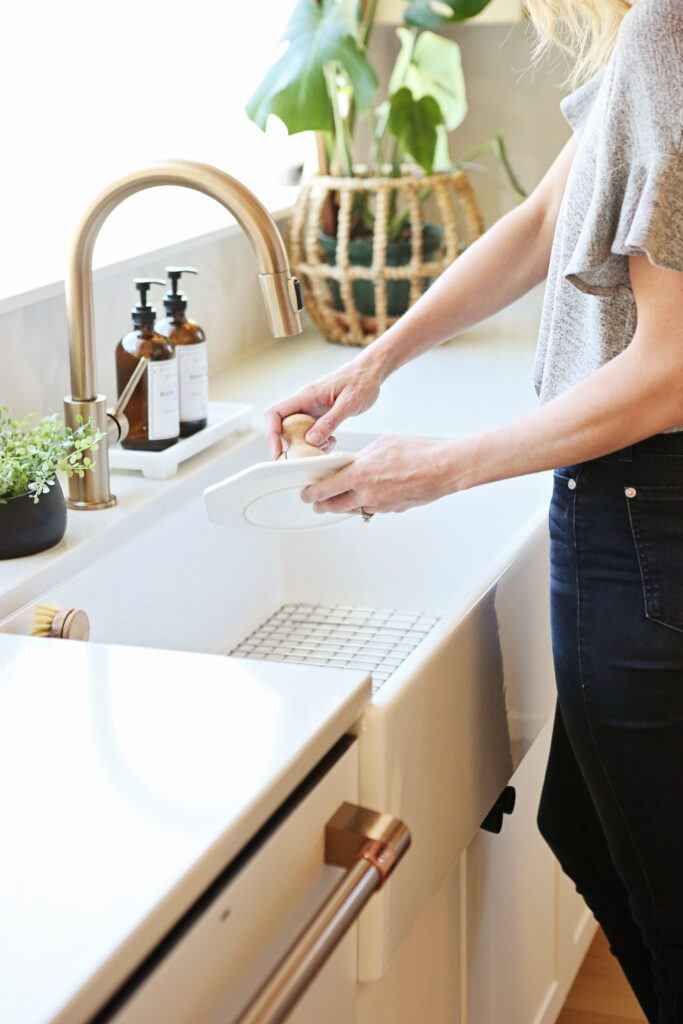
(605, 226)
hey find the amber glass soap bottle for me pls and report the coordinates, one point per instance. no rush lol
(189, 342)
(152, 410)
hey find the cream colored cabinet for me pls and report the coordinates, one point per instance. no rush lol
(527, 928)
(511, 882)
(502, 939)
(425, 977)
(484, 951)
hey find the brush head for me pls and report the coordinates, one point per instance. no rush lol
(60, 623)
(41, 619)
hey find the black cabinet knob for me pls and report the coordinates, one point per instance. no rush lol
(493, 822)
(505, 804)
(506, 800)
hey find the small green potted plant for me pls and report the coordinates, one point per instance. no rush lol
(364, 209)
(32, 508)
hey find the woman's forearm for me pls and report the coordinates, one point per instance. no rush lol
(632, 397)
(508, 260)
(501, 265)
(636, 395)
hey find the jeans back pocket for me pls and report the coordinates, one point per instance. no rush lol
(656, 516)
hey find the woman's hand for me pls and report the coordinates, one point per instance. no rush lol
(391, 475)
(346, 392)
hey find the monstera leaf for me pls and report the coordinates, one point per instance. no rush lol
(431, 66)
(432, 13)
(414, 123)
(294, 89)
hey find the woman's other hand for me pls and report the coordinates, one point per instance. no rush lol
(346, 392)
(390, 475)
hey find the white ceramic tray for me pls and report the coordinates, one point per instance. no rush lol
(224, 418)
(268, 495)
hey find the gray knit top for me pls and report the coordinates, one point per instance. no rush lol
(624, 195)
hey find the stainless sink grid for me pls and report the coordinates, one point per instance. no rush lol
(338, 636)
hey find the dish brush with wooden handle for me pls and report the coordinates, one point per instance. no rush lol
(60, 623)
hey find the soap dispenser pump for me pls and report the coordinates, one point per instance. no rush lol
(152, 410)
(189, 342)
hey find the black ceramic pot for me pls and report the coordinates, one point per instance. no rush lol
(27, 527)
(398, 254)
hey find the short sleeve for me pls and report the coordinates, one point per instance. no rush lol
(640, 212)
(577, 105)
(627, 180)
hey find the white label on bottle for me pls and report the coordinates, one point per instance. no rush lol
(162, 399)
(193, 375)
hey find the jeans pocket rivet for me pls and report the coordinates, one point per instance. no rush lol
(571, 484)
(630, 492)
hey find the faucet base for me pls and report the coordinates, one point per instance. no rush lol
(91, 491)
(89, 506)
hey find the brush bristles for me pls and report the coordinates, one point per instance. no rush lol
(42, 618)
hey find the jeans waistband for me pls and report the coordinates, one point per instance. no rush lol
(658, 444)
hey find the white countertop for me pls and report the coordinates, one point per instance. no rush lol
(128, 779)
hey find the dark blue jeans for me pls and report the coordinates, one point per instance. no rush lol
(612, 802)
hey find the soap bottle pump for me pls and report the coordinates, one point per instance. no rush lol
(189, 342)
(152, 410)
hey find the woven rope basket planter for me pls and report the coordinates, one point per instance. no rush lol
(328, 284)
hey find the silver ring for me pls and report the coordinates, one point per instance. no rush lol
(365, 516)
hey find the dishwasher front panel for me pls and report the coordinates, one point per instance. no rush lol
(225, 953)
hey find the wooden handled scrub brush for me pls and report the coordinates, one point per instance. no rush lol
(60, 623)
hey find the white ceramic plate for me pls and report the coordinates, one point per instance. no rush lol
(268, 495)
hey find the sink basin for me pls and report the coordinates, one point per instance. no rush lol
(454, 710)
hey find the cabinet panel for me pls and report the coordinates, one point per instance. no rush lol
(503, 937)
(511, 909)
(439, 752)
(423, 981)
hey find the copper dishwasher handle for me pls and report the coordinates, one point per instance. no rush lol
(369, 845)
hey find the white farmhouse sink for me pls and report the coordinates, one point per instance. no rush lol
(447, 729)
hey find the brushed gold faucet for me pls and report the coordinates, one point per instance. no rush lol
(281, 294)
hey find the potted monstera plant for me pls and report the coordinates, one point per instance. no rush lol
(371, 230)
(32, 508)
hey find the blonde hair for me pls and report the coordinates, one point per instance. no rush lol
(585, 29)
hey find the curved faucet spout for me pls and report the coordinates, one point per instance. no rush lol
(280, 294)
(280, 289)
